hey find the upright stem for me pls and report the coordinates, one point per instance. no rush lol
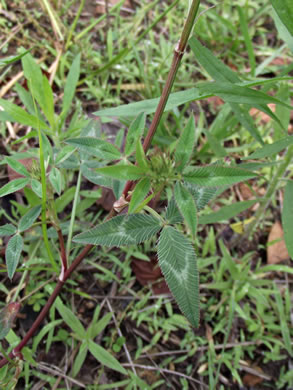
(270, 192)
(177, 57)
(178, 54)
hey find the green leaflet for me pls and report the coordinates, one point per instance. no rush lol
(226, 212)
(186, 206)
(11, 59)
(7, 230)
(29, 218)
(56, 179)
(134, 133)
(185, 144)
(121, 230)
(95, 147)
(122, 172)
(287, 217)
(202, 195)
(173, 215)
(12, 254)
(17, 166)
(215, 175)
(271, 149)
(177, 261)
(13, 186)
(140, 192)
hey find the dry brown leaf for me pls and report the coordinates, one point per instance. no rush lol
(245, 191)
(276, 252)
(251, 380)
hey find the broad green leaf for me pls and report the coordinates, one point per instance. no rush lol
(80, 358)
(12, 254)
(226, 212)
(140, 156)
(186, 206)
(7, 230)
(122, 172)
(70, 85)
(36, 187)
(17, 166)
(11, 59)
(172, 213)
(134, 133)
(271, 149)
(29, 218)
(105, 357)
(95, 147)
(284, 9)
(71, 320)
(56, 179)
(13, 186)
(238, 94)
(185, 144)
(215, 175)
(21, 116)
(287, 217)
(141, 190)
(121, 230)
(177, 261)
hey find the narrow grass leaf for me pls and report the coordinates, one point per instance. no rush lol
(121, 230)
(21, 116)
(12, 254)
(95, 147)
(13, 186)
(283, 322)
(34, 76)
(105, 357)
(80, 358)
(287, 217)
(271, 149)
(247, 39)
(227, 212)
(134, 133)
(29, 218)
(17, 166)
(48, 98)
(284, 9)
(238, 94)
(141, 190)
(7, 230)
(70, 85)
(215, 175)
(184, 147)
(56, 179)
(71, 319)
(122, 172)
(177, 261)
(187, 206)
(11, 59)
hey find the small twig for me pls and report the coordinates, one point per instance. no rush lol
(56, 371)
(151, 368)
